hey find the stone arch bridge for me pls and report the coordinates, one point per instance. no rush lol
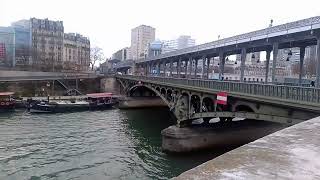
(190, 99)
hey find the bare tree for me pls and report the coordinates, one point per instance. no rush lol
(295, 68)
(310, 67)
(23, 55)
(96, 55)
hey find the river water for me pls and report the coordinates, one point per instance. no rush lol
(111, 144)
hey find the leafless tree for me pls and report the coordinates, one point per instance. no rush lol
(309, 68)
(23, 54)
(96, 55)
(295, 68)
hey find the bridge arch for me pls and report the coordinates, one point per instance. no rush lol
(195, 101)
(207, 104)
(163, 92)
(169, 95)
(156, 90)
(244, 106)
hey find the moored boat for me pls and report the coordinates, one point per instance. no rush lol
(101, 101)
(41, 107)
(7, 102)
(58, 106)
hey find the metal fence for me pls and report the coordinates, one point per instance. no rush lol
(297, 93)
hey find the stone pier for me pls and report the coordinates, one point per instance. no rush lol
(230, 134)
(141, 102)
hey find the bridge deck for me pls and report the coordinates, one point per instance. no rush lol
(292, 153)
(298, 97)
(8, 76)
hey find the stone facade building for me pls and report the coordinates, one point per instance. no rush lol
(121, 54)
(76, 52)
(42, 45)
(47, 44)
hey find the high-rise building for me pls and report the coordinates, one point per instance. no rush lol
(179, 43)
(23, 42)
(76, 51)
(310, 53)
(7, 57)
(141, 36)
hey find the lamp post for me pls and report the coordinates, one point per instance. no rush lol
(48, 86)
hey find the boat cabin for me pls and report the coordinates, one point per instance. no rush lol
(7, 101)
(100, 97)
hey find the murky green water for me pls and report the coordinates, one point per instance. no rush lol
(111, 144)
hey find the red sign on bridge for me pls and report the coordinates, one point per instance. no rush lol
(222, 98)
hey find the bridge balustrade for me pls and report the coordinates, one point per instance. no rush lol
(305, 94)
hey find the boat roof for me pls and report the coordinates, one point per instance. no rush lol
(6, 93)
(99, 95)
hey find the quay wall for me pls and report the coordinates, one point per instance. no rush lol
(291, 153)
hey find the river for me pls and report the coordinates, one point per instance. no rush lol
(110, 144)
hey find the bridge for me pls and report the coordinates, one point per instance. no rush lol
(301, 34)
(61, 78)
(13, 76)
(191, 99)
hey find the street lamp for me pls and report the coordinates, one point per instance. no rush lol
(289, 55)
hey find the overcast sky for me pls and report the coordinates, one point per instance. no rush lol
(108, 23)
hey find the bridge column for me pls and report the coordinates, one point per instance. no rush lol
(190, 67)
(186, 68)
(302, 52)
(203, 66)
(318, 62)
(179, 68)
(171, 68)
(145, 68)
(158, 68)
(195, 67)
(208, 67)
(164, 68)
(274, 61)
(149, 68)
(243, 63)
(268, 52)
(221, 64)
